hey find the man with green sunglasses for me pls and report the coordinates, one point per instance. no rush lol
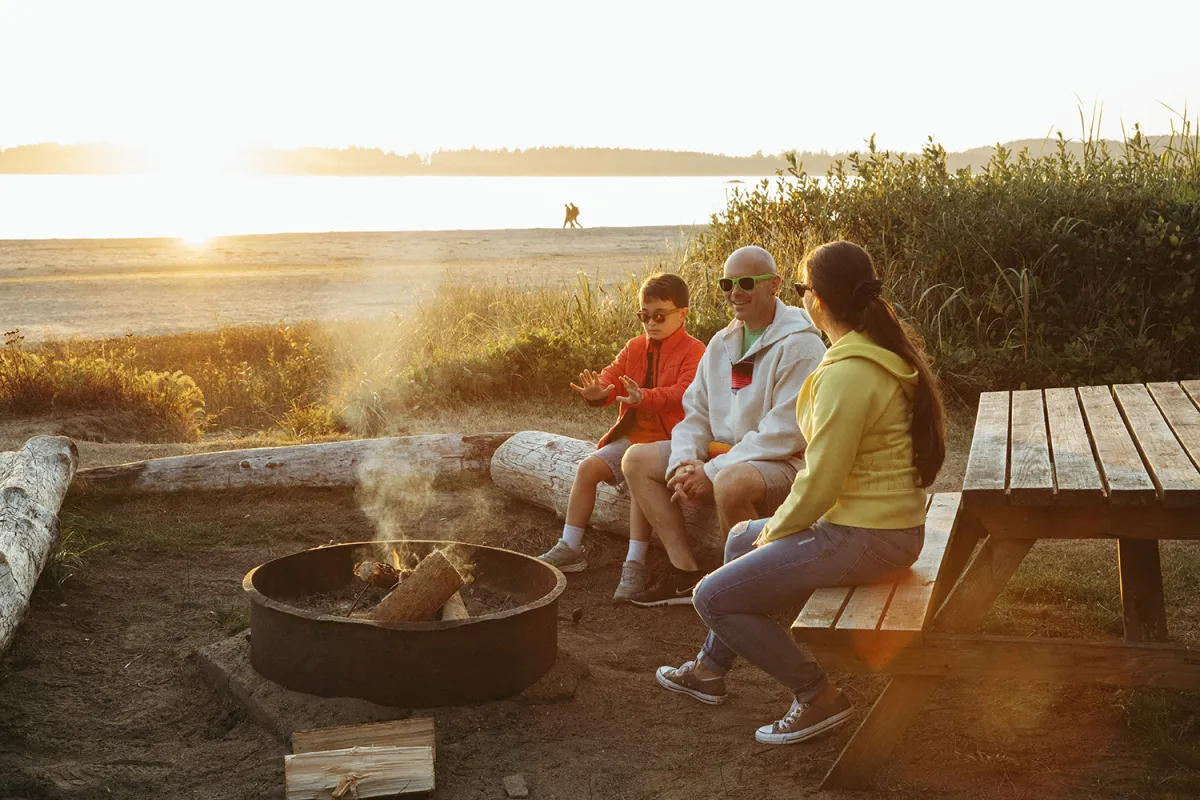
(739, 445)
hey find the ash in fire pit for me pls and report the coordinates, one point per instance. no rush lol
(301, 638)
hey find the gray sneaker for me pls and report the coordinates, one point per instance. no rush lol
(805, 721)
(563, 556)
(683, 679)
(633, 579)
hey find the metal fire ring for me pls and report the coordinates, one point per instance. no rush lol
(404, 664)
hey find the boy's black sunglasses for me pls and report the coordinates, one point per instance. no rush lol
(801, 288)
(658, 316)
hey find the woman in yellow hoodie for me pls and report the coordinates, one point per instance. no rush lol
(873, 418)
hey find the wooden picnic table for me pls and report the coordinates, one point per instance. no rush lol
(1095, 462)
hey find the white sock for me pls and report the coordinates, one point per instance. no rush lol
(637, 551)
(573, 537)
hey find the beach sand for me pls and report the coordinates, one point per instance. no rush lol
(91, 288)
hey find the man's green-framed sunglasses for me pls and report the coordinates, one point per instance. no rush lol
(746, 283)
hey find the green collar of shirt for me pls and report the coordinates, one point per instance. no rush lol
(749, 337)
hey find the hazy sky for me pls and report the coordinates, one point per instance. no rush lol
(732, 77)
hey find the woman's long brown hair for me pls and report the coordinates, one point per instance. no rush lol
(844, 280)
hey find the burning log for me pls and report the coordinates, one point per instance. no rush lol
(33, 481)
(422, 592)
(377, 573)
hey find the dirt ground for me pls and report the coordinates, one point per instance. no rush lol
(100, 696)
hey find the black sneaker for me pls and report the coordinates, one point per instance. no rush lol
(672, 587)
(805, 721)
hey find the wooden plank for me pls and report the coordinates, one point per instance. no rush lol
(865, 608)
(1076, 476)
(414, 732)
(363, 771)
(1094, 522)
(1173, 473)
(900, 704)
(910, 605)
(1181, 414)
(985, 480)
(819, 615)
(1030, 481)
(1145, 614)
(1193, 390)
(968, 657)
(1125, 477)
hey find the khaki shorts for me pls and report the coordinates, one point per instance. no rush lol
(611, 454)
(777, 475)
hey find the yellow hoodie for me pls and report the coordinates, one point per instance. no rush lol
(855, 411)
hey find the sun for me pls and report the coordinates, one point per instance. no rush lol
(195, 179)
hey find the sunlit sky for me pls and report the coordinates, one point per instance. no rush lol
(733, 77)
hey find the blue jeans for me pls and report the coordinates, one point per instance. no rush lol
(735, 600)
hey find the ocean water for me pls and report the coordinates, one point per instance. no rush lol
(195, 208)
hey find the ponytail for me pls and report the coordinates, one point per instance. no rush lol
(843, 277)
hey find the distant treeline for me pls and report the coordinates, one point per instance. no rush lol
(108, 159)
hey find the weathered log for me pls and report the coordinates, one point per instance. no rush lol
(333, 464)
(539, 468)
(33, 482)
(455, 608)
(422, 592)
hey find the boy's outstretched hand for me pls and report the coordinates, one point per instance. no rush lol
(633, 392)
(591, 390)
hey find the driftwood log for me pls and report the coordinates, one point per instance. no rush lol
(33, 482)
(539, 468)
(334, 464)
(422, 592)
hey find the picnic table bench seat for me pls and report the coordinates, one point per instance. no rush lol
(878, 620)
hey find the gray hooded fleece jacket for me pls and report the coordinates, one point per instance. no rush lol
(759, 419)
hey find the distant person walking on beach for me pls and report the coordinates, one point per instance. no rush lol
(572, 216)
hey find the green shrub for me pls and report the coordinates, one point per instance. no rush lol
(1039, 270)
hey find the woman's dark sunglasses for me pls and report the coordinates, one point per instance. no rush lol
(658, 316)
(745, 283)
(801, 288)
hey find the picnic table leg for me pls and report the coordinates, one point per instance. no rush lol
(963, 537)
(1145, 613)
(900, 704)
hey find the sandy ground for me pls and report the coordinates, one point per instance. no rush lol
(101, 697)
(110, 287)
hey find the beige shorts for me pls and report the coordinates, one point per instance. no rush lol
(777, 475)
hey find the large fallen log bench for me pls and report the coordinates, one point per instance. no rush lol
(33, 482)
(327, 465)
(539, 468)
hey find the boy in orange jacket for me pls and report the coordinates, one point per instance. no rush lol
(648, 379)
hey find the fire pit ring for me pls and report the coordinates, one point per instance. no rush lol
(403, 664)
